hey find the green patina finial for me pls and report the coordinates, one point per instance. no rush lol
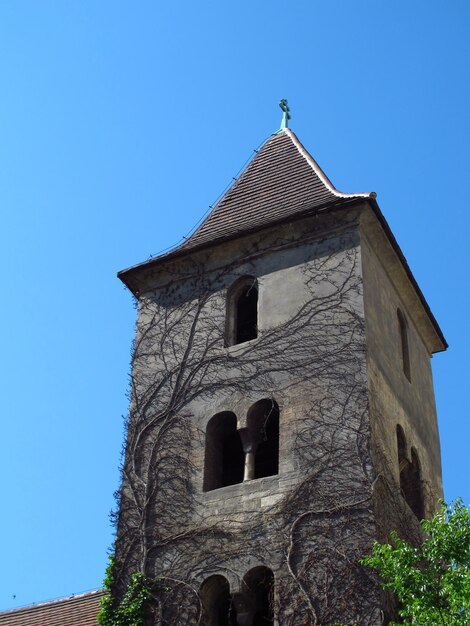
(286, 114)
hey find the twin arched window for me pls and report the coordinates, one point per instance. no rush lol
(242, 311)
(234, 455)
(253, 604)
(410, 475)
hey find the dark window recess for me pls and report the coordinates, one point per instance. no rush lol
(267, 453)
(410, 484)
(224, 459)
(405, 348)
(410, 476)
(246, 314)
(233, 460)
(260, 582)
(217, 602)
(263, 422)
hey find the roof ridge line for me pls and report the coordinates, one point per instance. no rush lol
(320, 173)
(34, 605)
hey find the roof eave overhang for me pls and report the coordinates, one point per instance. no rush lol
(130, 275)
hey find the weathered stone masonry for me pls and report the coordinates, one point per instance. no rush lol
(261, 456)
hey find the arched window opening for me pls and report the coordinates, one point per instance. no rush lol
(260, 584)
(242, 311)
(224, 458)
(414, 490)
(247, 315)
(263, 424)
(405, 348)
(217, 603)
(410, 482)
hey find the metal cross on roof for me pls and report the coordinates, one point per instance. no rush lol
(286, 113)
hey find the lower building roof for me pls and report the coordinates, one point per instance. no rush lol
(79, 610)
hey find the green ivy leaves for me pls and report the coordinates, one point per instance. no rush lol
(134, 606)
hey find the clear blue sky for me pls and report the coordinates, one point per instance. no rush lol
(120, 122)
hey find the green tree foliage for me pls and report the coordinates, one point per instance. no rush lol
(432, 581)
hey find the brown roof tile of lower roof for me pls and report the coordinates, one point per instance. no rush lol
(80, 610)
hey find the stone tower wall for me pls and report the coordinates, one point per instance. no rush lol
(310, 523)
(397, 398)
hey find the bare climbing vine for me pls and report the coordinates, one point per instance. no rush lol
(312, 363)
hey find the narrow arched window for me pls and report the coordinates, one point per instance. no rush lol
(218, 609)
(263, 424)
(242, 311)
(224, 457)
(404, 344)
(410, 476)
(260, 584)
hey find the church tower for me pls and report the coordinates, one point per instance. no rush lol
(282, 410)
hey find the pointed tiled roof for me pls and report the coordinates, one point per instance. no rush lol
(80, 610)
(281, 181)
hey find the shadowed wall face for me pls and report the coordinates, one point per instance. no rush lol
(400, 392)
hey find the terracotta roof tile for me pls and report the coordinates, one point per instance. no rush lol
(78, 610)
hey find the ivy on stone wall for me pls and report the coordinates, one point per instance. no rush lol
(136, 602)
